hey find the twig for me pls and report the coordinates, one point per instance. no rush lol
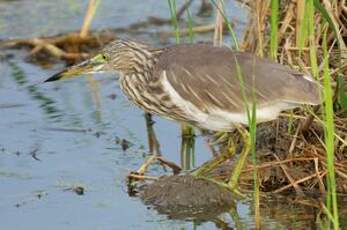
(292, 145)
(273, 164)
(141, 177)
(175, 168)
(218, 29)
(146, 164)
(290, 178)
(323, 173)
(320, 182)
(183, 9)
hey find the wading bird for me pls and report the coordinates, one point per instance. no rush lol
(208, 87)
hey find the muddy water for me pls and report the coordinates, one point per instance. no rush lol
(54, 137)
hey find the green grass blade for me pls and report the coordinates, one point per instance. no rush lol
(190, 25)
(190, 130)
(252, 124)
(329, 133)
(311, 35)
(274, 29)
(302, 33)
(253, 132)
(172, 7)
(187, 132)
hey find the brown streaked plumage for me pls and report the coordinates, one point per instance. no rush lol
(200, 84)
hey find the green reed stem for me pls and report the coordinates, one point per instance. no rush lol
(174, 21)
(311, 35)
(187, 132)
(329, 133)
(328, 16)
(252, 132)
(302, 30)
(187, 129)
(187, 147)
(190, 26)
(309, 9)
(274, 29)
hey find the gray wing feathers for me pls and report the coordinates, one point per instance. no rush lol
(208, 77)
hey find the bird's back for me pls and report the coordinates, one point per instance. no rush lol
(214, 80)
(204, 69)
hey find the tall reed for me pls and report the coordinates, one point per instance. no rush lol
(310, 10)
(329, 139)
(187, 132)
(174, 21)
(251, 118)
(227, 23)
(91, 10)
(274, 29)
(310, 19)
(190, 26)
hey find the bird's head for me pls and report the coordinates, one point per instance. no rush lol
(121, 56)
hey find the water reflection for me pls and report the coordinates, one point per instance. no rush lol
(94, 88)
(187, 147)
(46, 103)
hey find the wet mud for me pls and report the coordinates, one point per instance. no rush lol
(185, 196)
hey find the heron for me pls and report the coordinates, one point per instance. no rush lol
(208, 87)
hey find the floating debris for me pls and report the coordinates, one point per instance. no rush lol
(112, 96)
(124, 143)
(79, 190)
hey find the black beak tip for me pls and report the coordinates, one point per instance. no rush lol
(55, 77)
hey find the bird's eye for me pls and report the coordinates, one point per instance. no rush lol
(104, 57)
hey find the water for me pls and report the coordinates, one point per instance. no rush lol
(59, 135)
(29, 18)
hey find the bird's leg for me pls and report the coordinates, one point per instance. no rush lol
(217, 138)
(235, 174)
(211, 148)
(207, 167)
(145, 165)
(208, 139)
(236, 218)
(155, 153)
(153, 143)
(139, 174)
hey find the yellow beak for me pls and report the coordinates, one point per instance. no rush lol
(89, 66)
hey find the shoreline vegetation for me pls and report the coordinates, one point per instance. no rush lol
(305, 150)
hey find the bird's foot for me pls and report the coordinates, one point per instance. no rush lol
(209, 166)
(140, 173)
(233, 182)
(234, 190)
(217, 160)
